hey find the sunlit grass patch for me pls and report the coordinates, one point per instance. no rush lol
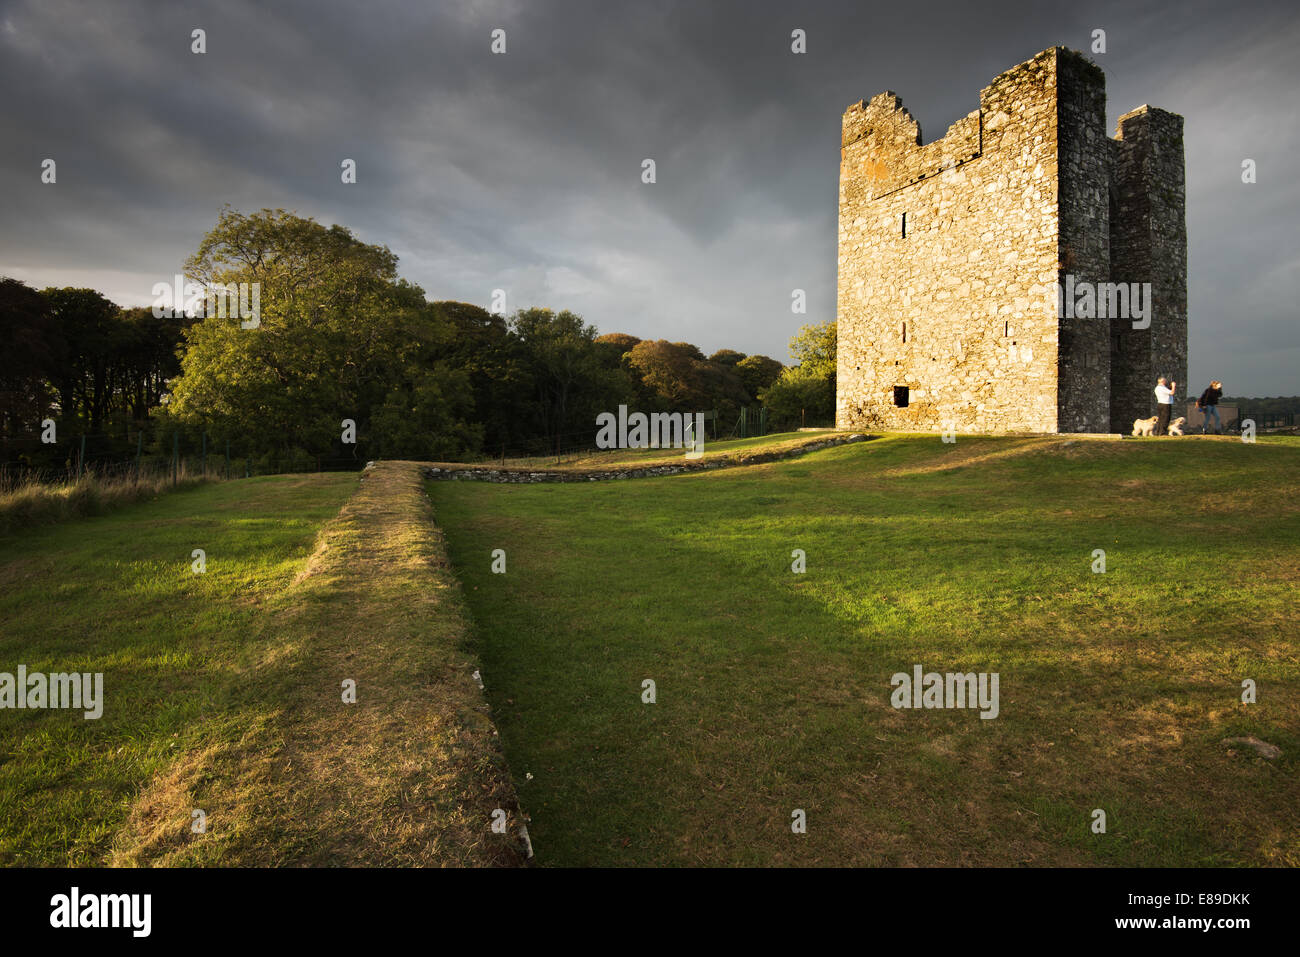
(773, 687)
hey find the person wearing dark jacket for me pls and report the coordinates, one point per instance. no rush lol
(1208, 403)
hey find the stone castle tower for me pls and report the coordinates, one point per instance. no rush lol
(950, 256)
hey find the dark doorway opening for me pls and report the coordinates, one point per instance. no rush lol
(900, 396)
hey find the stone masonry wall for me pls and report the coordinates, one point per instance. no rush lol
(1149, 244)
(1083, 397)
(949, 253)
(953, 310)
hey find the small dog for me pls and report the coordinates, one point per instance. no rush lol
(1176, 426)
(1145, 426)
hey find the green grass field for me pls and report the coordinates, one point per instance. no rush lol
(116, 594)
(773, 688)
(222, 690)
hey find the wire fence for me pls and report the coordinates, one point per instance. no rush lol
(1266, 420)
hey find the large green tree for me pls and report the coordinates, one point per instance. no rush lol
(756, 373)
(148, 359)
(28, 363)
(682, 380)
(338, 337)
(572, 383)
(87, 374)
(497, 369)
(813, 348)
(804, 394)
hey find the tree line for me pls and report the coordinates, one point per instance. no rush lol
(341, 339)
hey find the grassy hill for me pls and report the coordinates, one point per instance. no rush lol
(773, 688)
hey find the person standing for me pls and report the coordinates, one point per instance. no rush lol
(1208, 403)
(1164, 404)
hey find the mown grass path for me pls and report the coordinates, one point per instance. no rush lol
(773, 688)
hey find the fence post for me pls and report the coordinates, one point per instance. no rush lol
(139, 448)
(81, 461)
(204, 458)
(176, 457)
(248, 467)
(227, 459)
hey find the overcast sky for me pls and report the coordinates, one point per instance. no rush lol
(522, 171)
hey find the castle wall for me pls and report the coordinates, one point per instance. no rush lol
(1083, 395)
(1149, 244)
(971, 276)
(949, 256)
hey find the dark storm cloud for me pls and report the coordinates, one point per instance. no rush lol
(522, 171)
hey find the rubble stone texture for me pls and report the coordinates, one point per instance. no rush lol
(949, 253)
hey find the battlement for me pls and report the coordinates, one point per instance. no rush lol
(884, 139)
(889, 141)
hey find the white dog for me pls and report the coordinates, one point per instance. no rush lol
(1144, 426)
(1176, 426)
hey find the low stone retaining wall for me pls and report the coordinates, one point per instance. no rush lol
(488, 473)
